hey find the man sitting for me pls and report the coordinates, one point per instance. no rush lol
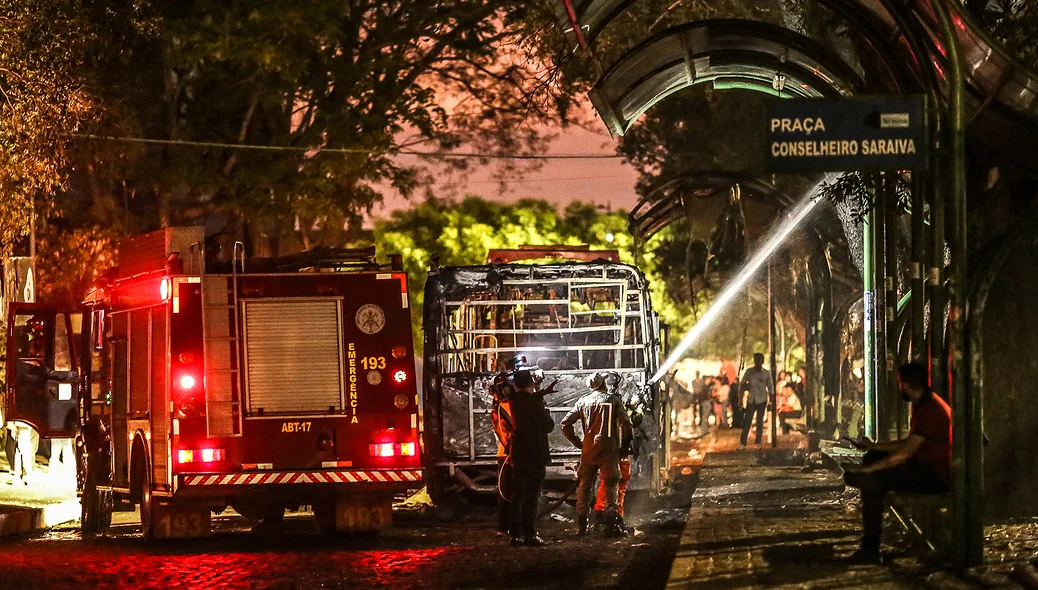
(919, 464)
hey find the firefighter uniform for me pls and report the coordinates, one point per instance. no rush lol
(603, 418)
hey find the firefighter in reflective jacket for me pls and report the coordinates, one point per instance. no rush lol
(602, 418)
(629, 448)
(501, 418)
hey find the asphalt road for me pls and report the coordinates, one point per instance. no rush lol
(453, 547)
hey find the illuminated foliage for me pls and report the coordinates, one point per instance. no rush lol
(42, 100)
(462, 233)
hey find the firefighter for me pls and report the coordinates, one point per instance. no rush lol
(628, 451)
(603, 418)
(528, 456)
(501, 418)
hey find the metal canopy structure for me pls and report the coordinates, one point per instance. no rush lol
(728, 53)
(929, 46)
(671, 201)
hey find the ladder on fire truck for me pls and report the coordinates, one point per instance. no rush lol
(222, 350)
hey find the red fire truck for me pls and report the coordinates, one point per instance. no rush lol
(282, 383)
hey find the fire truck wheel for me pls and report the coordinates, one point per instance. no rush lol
(104, 520)
(90, 514)
(324, 514)
(96, 506)
(147, 511)
(263, 519)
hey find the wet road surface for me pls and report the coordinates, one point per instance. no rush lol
(436, 549)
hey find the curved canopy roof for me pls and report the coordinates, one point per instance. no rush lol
(728, 53)
(671, 200)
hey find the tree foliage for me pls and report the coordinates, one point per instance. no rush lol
(1014, 23)
(42, 100)
(461, 233)
(301, 77)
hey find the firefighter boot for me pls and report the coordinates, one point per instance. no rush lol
(597, 520)
(614, 525)
(582, 526)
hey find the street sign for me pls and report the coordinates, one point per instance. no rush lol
(842, 134)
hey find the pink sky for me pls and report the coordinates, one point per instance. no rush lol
(608, 182)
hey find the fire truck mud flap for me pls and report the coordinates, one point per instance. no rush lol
(180, 521)
(353, 513)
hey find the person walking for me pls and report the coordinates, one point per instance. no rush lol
(757, 387)
(919, 464)
(735, 403)
(603, 420)
(531, 422)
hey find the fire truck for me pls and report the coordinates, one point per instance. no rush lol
(265, 386)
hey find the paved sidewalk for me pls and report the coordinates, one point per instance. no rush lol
(42, 504)
(760, 520)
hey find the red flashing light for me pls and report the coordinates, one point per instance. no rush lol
(382, 450)
(407, 449)
(400, 376)
(187, 382)
(164, 289)
(399, 352)
(200, 455)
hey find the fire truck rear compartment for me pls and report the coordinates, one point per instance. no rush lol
(293, 354)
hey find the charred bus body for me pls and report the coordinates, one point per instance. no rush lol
(570, 319)
(189, 391)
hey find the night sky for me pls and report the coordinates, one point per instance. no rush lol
(609, 182)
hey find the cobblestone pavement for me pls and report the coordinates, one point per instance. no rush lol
(452, 548)
(758, 519)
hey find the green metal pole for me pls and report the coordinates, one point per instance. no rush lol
(918, 320)
(879, 254)
(966, 432)
(868, 321)
(890, 302)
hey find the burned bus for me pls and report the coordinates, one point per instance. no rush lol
(588, 313)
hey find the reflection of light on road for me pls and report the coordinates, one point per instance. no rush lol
(779, 235)
(293, 561)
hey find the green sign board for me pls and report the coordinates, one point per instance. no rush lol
(842, 134)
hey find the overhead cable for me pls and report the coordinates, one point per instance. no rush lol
(446, 155)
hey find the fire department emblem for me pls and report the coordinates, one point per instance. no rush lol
(371, 319)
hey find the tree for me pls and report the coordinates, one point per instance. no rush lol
(42, 101)
(462, 233)
(306, 79)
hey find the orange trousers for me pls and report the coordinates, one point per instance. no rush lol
(625, 478)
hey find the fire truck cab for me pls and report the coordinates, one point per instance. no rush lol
(269, 386)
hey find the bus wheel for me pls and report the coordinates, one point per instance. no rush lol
(438, 484)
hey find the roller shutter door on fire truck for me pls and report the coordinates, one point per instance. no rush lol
(293, 356)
